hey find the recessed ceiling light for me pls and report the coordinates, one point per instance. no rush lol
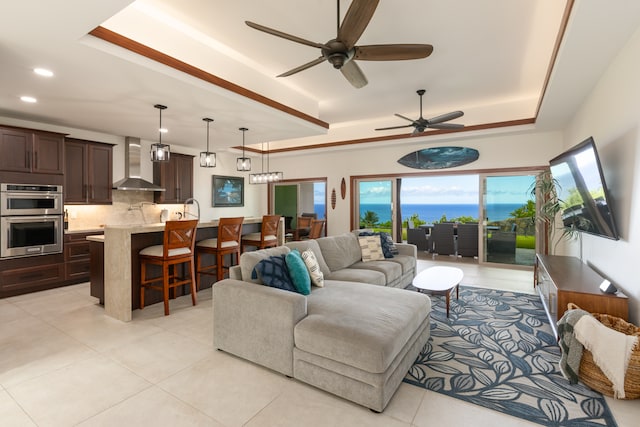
(43, 72)
(30, 99)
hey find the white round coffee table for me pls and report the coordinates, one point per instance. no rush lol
(439, 280)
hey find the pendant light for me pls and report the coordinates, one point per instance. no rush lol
(265, 177)
(243, 163)
(207, 158)
(159, 151)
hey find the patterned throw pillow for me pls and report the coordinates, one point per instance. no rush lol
(273, 272)
(310, 260)
(389, 247)
(298, 272)
(371, 248)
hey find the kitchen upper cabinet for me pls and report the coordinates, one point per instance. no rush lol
(88, 172)
(176, 177)
(31, 151)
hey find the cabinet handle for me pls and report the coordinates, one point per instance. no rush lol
(35, 162)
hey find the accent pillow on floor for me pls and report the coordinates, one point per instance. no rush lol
(311, 262)
(371, 248)
(298, 272)
(273, 272)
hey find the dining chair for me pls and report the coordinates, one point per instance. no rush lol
(177, 248)
(316, 228)
(442, 239)
(303, 227)
(226, 243)
(268, 235)
(468, 240)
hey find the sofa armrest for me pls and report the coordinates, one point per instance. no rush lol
(256, 322)
(407, 249)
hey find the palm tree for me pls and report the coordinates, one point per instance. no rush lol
(369, 219)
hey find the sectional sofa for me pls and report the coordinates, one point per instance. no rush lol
(355, 337)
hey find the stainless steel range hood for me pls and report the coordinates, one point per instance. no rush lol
(132, 180)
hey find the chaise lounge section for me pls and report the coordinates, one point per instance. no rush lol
(348, 338)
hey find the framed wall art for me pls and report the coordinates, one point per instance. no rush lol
(227, 191)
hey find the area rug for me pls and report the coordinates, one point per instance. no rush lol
(498, 351)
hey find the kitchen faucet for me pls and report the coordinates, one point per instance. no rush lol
(184, 207)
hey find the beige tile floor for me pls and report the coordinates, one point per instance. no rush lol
(64, 363)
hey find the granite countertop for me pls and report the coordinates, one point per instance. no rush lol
(84, 230)
(96, 238)
(159, 226)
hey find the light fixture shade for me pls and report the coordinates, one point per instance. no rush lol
(207, 159)
(243, 164)
(265, 177)
(160, 152)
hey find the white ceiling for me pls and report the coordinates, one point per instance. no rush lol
(490, 60)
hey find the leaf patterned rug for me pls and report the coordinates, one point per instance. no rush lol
(497, 350)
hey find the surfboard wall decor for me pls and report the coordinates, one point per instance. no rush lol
(439, 157)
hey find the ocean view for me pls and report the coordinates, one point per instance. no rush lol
(433, 212)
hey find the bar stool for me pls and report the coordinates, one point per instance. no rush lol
(177, 248)
(227, 242)
(268, 236)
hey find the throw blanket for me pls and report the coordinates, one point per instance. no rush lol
(611, 350)
(570, 346)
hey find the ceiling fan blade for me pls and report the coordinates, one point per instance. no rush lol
(303, 67)
(406, 118)
(392, 52)
(395, 127)
(354, 74)
(285, 35)
(445, 117)
(446, 126)
(356, 20)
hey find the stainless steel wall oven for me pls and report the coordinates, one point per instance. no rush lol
(31, 220)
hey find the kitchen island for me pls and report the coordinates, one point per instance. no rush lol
(120, 272)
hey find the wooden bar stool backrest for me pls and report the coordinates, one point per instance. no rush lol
(268, 236)
(316, 228)
(303, 226)
(178, 246)
(227, 243)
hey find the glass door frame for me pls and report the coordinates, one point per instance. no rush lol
(540, 231)
(355, 211)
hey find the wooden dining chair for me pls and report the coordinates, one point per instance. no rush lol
(177, 248)
(227, 243)
(303, 227)
(316, 228)
(268, 235)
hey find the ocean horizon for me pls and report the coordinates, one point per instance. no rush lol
(433, 212)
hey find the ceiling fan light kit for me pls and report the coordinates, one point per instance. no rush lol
(421, 124)
(342, 51)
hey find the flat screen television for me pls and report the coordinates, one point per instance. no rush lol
(582, 191)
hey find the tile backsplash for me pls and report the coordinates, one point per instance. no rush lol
(129, 207)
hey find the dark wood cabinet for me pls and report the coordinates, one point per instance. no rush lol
(31, 151)
(30, 274)
(88, 172)
(77, 259)
(561, 280)
(176, 177)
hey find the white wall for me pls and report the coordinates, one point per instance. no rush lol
(611, 114)
(505, 149)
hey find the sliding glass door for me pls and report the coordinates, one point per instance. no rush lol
(375, 203)
(509, 225)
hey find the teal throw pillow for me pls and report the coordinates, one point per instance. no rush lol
(273, 272)
(298, 272)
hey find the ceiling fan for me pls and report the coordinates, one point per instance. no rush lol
(421, 124)
(342, 52)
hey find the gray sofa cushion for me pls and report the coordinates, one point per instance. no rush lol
(248, 260)
(408, 263)
(303, 245)
(371, 277)
(391, 270)
(367, 335)
(340, 251)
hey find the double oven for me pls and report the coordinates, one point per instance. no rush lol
(31, 220)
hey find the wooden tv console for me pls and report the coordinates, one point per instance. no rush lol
(560, 280)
